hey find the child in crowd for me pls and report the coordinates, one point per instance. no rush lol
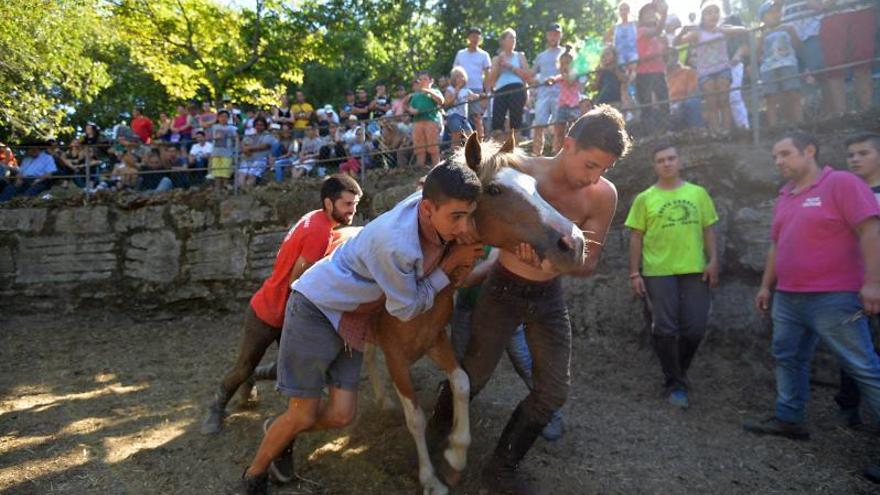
(424, 106)
(623, 37)
(225, 139)
(125, 173)
(255, 151)
(199, 156)
(712, 63)
(609, 78)
(308, 153)
(779, 66)
(568, 103)
(651, 88)
(457, 97)
(398, 104)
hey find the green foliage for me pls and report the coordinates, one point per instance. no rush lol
(45, 66)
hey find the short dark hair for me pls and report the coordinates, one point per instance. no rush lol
(222, 112)
(871, 138)
(336, 184)
(200, 132)
(450, 180)
(801, 139)
(604, 128)
(662, 146)
(261, 119)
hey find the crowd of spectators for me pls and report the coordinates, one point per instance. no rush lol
(665, 76)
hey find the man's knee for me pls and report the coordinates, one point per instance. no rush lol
(299, 417)
(339, 417)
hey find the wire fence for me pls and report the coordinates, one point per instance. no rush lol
(658, 116)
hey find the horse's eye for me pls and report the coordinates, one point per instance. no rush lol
(493, 190)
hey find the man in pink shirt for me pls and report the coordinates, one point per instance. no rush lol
(825, 261)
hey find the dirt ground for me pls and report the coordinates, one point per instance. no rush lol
(99, 402)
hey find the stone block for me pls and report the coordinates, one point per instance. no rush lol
(186, 218)
(750, 235)
(262, 251)
(22, 219)
(7, 263)
(217, 255)
(150, 218)
(243, 210)
(153, 256)
(85, 220)
(66, 258)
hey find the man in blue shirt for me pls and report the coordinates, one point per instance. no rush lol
(34, 175)
(400, 261)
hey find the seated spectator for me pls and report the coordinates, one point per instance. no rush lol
(333, 152)
(181, 128)
(683, 94)
(322, 123)
(8, 165)
(72, 162)
(308, 153)
(125, 173)
(332, 116)
(255, 151)
(142, 125)
(163, 133)
(199, 157)
(287, 152)
(281, 113)
(34, 175)
(207, 118)
(176, 164)
(153, 175)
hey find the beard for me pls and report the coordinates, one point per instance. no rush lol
(340, 218)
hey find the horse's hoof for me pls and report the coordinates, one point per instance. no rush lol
(449, 475)
(213, 422)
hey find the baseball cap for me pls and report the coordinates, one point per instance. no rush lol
(328, 108)
(474, 30)
(554, 27)
(764, 8)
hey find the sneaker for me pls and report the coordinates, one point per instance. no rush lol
(281, 468)
(255, 485)
(555, 428)
(678, 398)
(775, 426)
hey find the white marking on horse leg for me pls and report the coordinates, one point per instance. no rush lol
(415, 421)
(460, 437)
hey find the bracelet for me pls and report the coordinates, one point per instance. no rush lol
(635, 274)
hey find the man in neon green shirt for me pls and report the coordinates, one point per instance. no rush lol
(673, 241)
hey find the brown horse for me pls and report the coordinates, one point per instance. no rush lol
(509, 212)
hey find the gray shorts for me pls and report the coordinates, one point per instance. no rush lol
(311, 354)
(476, 107)
(780, 80)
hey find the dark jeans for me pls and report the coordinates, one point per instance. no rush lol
(849, 397)
(649, 88)
(505, 302)
(509, 99)
(29, 187)
(679, 305)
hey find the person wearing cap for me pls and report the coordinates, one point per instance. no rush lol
(34, 174)
(545, 71)
(476, 63)
(332, 116)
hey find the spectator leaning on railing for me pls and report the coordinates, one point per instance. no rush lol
(34, 175)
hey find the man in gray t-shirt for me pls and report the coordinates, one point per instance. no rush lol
(545, 69)
(475, 62)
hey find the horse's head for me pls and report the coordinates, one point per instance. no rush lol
(510, 211)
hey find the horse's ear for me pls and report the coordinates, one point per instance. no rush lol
(510, 144)
(473, 152)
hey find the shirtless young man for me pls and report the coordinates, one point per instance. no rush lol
(523, 289)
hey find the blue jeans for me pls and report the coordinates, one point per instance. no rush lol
(800, 320)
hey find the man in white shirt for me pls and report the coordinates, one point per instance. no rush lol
(476, 63)
(34, 175)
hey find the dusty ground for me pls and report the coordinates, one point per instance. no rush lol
(103, 403)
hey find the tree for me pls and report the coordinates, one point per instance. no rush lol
(45, 67)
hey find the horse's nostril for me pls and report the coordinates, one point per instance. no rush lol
(563, 245)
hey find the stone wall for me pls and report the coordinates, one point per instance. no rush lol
(183, 249)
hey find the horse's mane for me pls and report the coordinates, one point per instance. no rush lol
(493, 159)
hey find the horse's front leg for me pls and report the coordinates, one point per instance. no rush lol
(460, 436)
(398, 368)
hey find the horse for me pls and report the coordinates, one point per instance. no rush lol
(509, 212)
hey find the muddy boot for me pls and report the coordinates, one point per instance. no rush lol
(440, 423)
(254, 485)
(213, 421)
(500, 475)
(267, 371)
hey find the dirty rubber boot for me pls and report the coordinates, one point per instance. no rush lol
(667, 351)
(254, 485)
(687, 349)
(872, 473)
(500, 475)
(213, 421)
(266, 371)
(440, 424)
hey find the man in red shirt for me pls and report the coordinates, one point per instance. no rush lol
(142, 125)
(306, 243)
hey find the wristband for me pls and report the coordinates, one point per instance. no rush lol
(635, 274)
